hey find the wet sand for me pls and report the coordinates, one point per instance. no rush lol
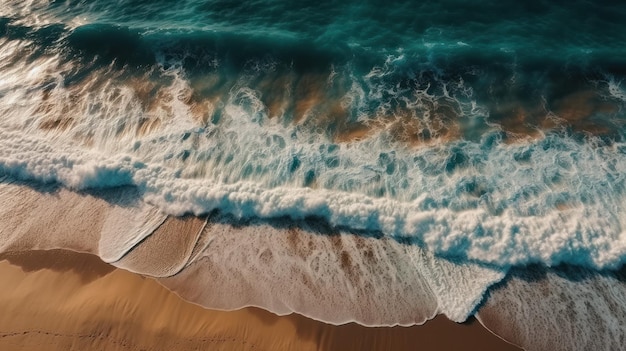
(64, 300)
(561, 308)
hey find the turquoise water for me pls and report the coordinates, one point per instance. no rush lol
(491, 132)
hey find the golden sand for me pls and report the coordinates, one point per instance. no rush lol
(63, 300)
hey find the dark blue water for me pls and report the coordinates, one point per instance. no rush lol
(511, 55)
(458, 138)
(479, 130)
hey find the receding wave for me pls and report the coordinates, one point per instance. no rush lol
(253, 261)
(451, 157)
(477, 197)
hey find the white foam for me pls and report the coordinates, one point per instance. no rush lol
(583, 235)
(336, 278)
(482, 202)
(280, 266)
(40, 217)
(126, 227)
(564, 309)
(550, 200)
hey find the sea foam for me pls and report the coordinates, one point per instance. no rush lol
(589, 234)
(221, 262)
(449, 159)
(557, 198)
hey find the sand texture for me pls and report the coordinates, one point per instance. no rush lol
(225, 263)
(63, 300)
(562, 308)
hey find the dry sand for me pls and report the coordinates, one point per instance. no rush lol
(63, 300)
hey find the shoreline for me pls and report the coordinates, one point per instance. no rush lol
(69, 300)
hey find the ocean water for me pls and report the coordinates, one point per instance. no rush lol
(489, 133)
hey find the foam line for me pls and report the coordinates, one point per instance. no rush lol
(233, 264)
(563, 308)
(167, 250)
(125, 227)
(588, 235)
(556, 198)
(334, 276)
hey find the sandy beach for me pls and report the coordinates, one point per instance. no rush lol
(64, 300)
(275, 175)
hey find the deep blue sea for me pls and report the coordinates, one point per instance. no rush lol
(487, 132)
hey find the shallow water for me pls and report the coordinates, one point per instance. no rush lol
(488, 134)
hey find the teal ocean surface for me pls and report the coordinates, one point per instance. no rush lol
(486, 133)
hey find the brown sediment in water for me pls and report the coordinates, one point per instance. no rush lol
(580, 111)
(308, 95)
(436, 123)
(275, 94)
(308, 100)
(418, 131)
(147, 125)
(55, 116)
(58, 124)
(67, 300)
(354, 132)
(154, 99)
(582, 105)
(519, 124)
(560, 308)
(583, 111)
(316, 103)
